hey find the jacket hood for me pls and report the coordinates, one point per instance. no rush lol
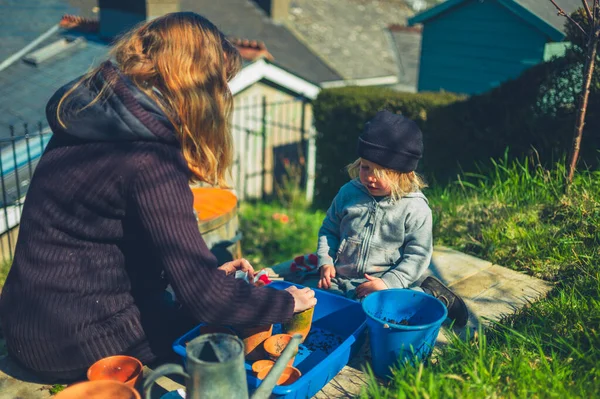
(416, 194)
(124, 113)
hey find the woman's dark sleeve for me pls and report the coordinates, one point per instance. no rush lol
(162, 201)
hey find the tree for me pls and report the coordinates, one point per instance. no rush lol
(590, 29)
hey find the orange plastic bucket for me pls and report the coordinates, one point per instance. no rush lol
(218, 221)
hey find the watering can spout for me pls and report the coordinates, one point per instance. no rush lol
(266, 387)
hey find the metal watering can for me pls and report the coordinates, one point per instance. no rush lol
(215, 364)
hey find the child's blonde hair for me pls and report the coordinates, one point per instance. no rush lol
(401, 183)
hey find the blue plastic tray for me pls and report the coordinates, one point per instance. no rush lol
(336, 333)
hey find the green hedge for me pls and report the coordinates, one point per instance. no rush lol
(532, 115)
(340, 115)
(529, 116)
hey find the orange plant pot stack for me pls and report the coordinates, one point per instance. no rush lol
(275, 345)
(258, 365)
(253, 339)
(289, 376)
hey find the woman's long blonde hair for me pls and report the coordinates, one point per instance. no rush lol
(400, 183)
(188, 61)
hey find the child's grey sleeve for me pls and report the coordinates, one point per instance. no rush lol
(417, 251)
(329, 234)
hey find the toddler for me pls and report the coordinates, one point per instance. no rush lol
(377, 233)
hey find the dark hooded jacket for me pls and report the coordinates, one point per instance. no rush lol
(107, 222)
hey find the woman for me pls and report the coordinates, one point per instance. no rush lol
(108, 221)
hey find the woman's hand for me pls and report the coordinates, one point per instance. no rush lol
(327, 273)
(238, 264)
(303, 298)
(374, 284)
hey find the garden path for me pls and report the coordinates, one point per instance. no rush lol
(490, 291)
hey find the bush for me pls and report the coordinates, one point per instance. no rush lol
(531, 115)
(518, 217)
(340, 115)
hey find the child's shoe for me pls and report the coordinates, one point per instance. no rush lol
(457, 310)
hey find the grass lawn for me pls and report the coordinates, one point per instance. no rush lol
(518, 217)
(274, 233)
(515, 215)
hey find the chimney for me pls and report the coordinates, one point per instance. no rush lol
(277, 10)
(118, 16)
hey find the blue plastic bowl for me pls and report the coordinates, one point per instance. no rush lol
(403, 325)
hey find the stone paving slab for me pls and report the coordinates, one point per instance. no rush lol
(16, 383)
(490, 292)
(452, 266)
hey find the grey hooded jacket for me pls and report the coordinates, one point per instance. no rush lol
(387, 239)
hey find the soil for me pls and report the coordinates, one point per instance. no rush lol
(323, 340)
(403, 322)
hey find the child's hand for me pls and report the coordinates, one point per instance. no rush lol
(374, 284)
(327, 273)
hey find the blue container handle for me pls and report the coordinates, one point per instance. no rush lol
(365, 306)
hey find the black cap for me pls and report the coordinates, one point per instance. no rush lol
(392, 141)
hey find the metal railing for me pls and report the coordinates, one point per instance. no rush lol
(268, 137)
(20, 152)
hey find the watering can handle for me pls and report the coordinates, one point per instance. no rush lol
(161, 371)
(266, 387)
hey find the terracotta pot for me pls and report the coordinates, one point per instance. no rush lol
(289, 375)
(253, 339)
(124, 369)
(275, 345)
(300, 323)
(258, 365)
(99, 390)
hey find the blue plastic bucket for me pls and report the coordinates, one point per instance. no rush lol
(403, 325)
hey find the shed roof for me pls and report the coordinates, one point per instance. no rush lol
(540, 13)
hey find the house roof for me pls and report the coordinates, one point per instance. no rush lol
(540, 13)
(407, 46)
(242, 19)
(245, 20)
(351, 34)
(26, 88)
(22, 21)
